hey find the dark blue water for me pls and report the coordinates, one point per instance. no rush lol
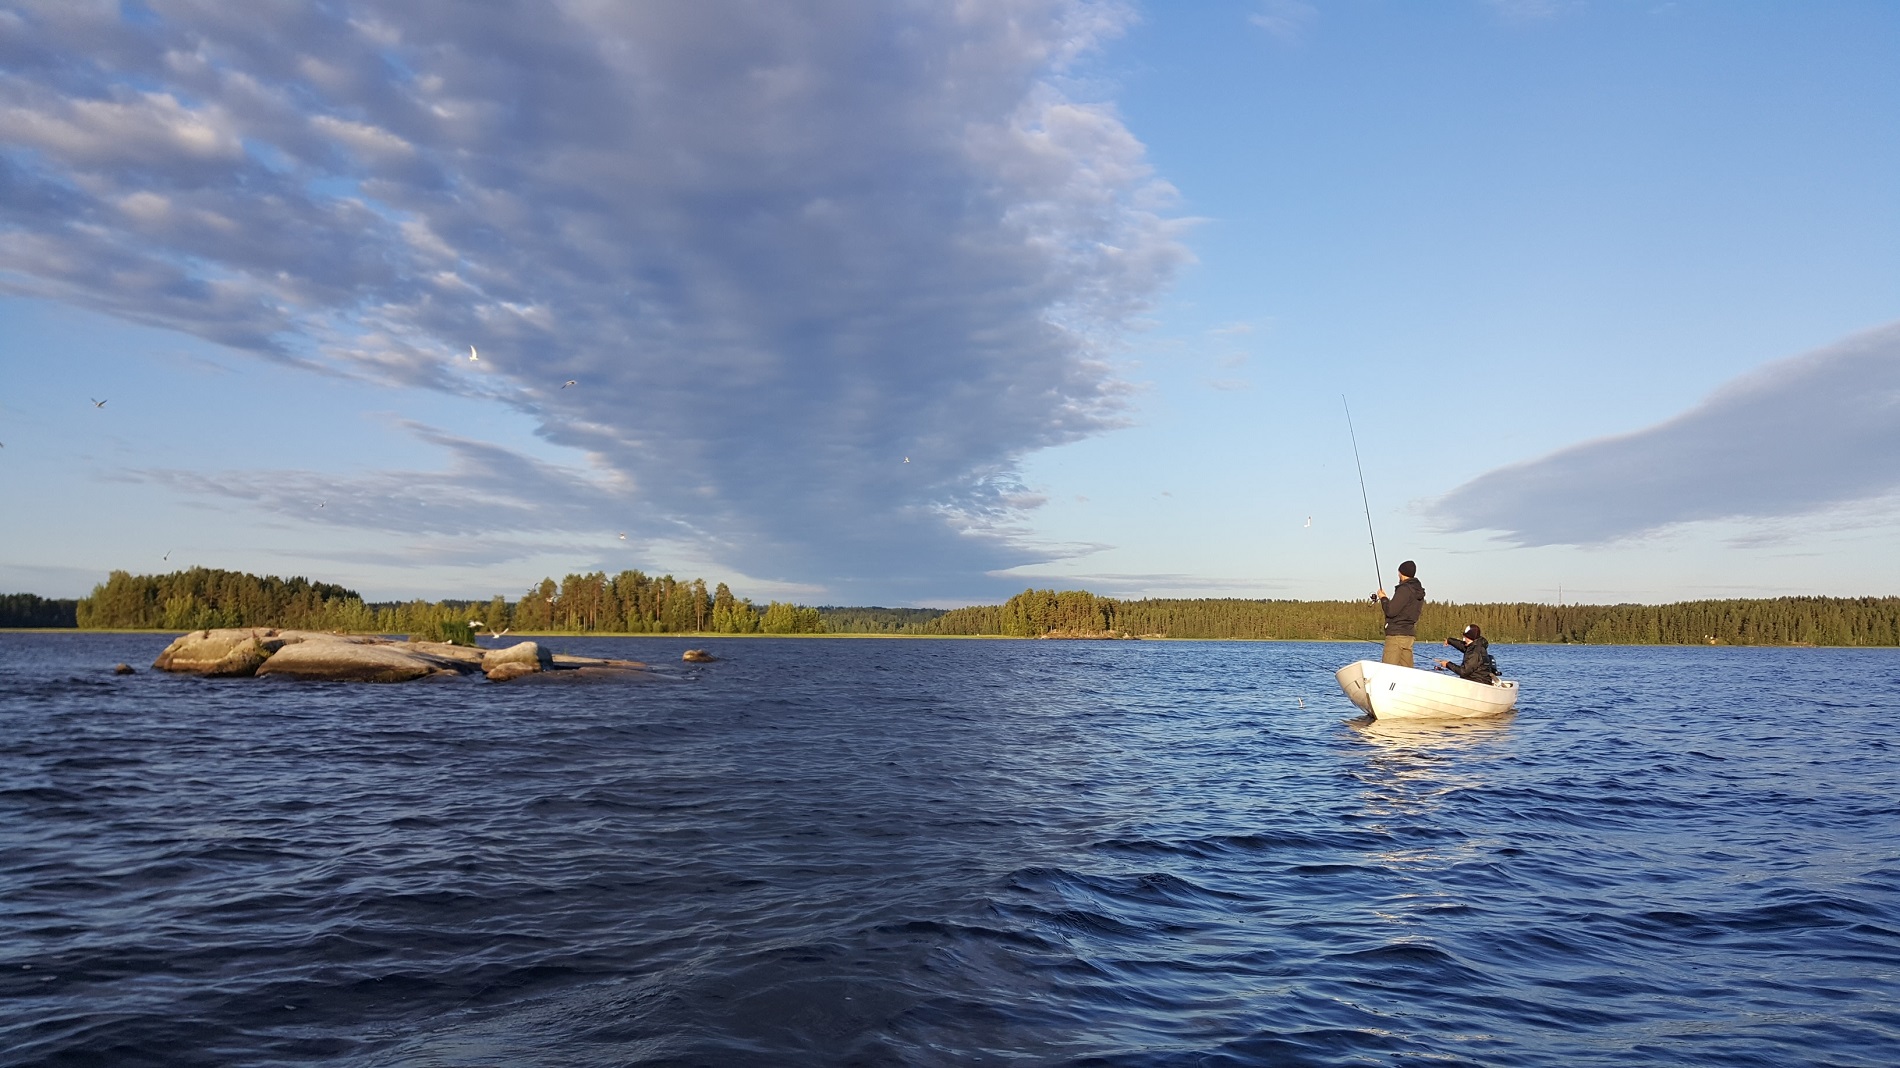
(951, 852)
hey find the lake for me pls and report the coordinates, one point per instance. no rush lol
(951, 852)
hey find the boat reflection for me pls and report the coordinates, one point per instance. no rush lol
(1408, 767)
(1437, 735)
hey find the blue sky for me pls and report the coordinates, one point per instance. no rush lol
(879, 303)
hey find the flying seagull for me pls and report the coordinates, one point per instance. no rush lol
(97, 403)
(472, 354)
(623, 537)
(570, 382)
(906, 459)
(1309, 520)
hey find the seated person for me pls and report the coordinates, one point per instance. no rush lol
(1478, 665)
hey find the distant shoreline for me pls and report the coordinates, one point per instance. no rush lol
(715, 636)
(598, 604)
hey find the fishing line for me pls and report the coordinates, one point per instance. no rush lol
(1377, 570)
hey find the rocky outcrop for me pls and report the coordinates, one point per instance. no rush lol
(220, 653)
(355, 662)
(322, 656)
(594, 668)
(523, 658)
(513, 669)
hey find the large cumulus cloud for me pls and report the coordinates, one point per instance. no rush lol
(779, 247)
(1795, 437)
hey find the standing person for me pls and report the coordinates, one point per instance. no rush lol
(1401, 615)
(1478, 665)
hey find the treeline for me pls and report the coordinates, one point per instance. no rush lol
(1776, 621)
(205, 597)
(874, 620)
(632, 602)
(28, 610)
(635, 603)
(627, 603)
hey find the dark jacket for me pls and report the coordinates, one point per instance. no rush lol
(1478, 665)
(1403, 607)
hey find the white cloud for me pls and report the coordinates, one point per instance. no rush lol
(1800, 436)
(776, 245)
(1287, 20)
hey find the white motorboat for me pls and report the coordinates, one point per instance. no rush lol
(1393, 691)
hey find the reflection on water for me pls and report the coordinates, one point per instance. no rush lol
(1427, 734)
(1410, 769)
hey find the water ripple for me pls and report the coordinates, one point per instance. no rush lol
(951, 852)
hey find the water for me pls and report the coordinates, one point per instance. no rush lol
(951, 852)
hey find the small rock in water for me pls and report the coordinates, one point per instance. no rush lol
(124, 669)
(697, 656)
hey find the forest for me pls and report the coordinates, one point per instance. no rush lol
(628, 603)
(633, 602)
(27, 610)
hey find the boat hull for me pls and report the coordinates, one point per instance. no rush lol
(1393, 691)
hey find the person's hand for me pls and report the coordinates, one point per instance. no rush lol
(1380, 596)
(1442, 664)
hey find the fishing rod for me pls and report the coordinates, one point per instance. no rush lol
(1380, 585)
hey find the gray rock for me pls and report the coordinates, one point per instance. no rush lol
(512, 669)
(321, 656)
(342, 661)
(233, 652)
(526, 658)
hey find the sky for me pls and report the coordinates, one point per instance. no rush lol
(924, 304)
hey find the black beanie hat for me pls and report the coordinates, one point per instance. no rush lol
(1408, 569)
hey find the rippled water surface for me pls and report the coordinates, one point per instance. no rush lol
(951, 852)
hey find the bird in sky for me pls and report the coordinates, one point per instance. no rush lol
(167, 556)
(906, 459)
(97, 403)
(472, 354)
(623, 537)
(322, 503)
(570, 382)
(1309, 520)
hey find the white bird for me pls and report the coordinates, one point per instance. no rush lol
(906, 459)
(97, 403)
(322, 503)
(1309, 520)
(472, 354)
(623, 537)
(570, 382)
